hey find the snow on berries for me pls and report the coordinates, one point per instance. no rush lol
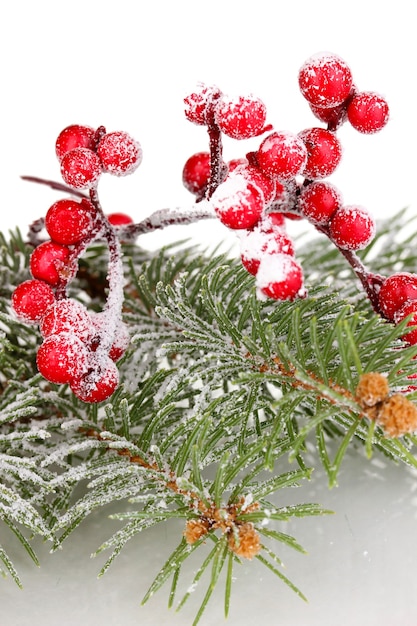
(282, 177)
(319, 201)
(351, 227)
(119, 153)
(79, 347)
(241, 117)
(31, 299)
(325, 80)
(84, 154)
(368, 112)
(238, 203)
(74, 136)
(324, 152)
(282, 154)
(68, 221)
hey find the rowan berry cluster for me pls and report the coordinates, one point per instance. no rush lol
(79, 347)
(283, 178)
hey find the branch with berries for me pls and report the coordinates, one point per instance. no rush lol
(181, 377)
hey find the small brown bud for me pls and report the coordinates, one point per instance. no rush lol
(397, 416)
(194, 529)
(372, 388)
(245, 541)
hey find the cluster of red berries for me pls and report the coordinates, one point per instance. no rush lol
(79, 348)
(84, 153)
(284, 176)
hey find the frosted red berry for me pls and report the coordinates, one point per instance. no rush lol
(100, 381)
(319, 201)
(279, 277)
(120, 338)
(48, 262)
(333, 116)
(196, 173)
(325, 80)
(242, 117)
(255, 176)
(351, 227)
(408, 309)
(282, 154)
(66, 315)
(238, 203)
(324, 152)
(258, 244)
(81, 168)
(74, 136)
(395, 292)
(119, 153)
(368, 112)
(31, 299)
(68, 222)
(197, 103)
(119, 219)
(62, 357)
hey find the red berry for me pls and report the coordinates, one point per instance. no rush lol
(325, 80)
(324, 152)
(31, 299)
(69, 222)
(66, 316)
(121, 337)
(282, 154)
(119, 219)
(62, 357)
(258, 244)
(351, 227)
(276, 218)
(368, 112)
(197, 102)
(80, 168)
(234, 163)
(48, 261)
(397, 290)
(119, 153)
(74, 136)
(242, 117)
(333, 116)
(319, 201)
(99, 383)
(409, 308)
(255, 176)
(279, 277)
(238, 203)
(196, 173)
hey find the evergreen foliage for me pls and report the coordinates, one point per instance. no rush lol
(223, 399)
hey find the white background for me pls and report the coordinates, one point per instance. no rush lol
(127, 65)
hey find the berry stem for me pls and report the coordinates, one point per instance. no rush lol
(115, 277)
(53, 184)
(218, 168)
(371, 282)
(167, 217)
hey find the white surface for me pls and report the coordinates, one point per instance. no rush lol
(359, 570)
(127, 65)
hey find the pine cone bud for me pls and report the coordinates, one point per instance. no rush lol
(247, 543)
(372, 388)
(397, 416)
(194, 529)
